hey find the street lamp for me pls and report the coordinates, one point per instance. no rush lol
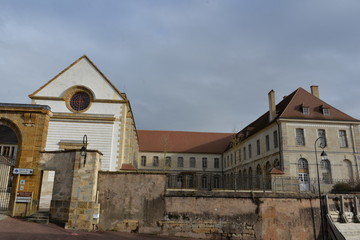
(83, 148)
(323, 155)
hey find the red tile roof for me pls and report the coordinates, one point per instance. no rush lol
(276, 171)
(183, 142)
(291, 108)
(127, 166)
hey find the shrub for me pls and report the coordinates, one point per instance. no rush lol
(342, 187)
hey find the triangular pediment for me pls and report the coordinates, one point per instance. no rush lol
(83, 72)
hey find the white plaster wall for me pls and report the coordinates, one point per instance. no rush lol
(95, 108)
(101, 136)
(82, 73)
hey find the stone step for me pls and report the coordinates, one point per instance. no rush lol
(39, 217)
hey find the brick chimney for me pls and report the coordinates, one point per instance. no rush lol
(315, 91)
(272, 106)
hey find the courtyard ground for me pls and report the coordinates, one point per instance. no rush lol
(18, 229)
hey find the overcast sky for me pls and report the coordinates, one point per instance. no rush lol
(198, 65)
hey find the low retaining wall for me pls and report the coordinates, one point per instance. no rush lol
(138, 202)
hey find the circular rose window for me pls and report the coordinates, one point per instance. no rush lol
(80, 101)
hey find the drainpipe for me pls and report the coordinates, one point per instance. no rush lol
(280, 146)
(353, 140)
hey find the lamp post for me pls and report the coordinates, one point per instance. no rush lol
(83, 148)
(323, 155)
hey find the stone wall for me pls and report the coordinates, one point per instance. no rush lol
(74, 200)
(138, 202)
(131, 200)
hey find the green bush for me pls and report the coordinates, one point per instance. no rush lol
(343, 187)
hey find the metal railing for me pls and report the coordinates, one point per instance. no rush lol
(208, 182)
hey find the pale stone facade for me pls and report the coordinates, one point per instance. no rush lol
(287, 143)
(101, 112)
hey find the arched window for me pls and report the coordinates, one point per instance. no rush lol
(267, 168)
(179, 181)
(277, 164)
(189, 181)
(245, 179)
(304, 183)
(204, 182)
(347, 170)
(258, 177)
(303, 164)
(250, 178)
(240, 180)
(216, 181)
(326, 171)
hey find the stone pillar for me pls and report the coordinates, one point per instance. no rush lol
(75, 200)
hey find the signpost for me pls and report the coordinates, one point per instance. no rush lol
(22, 197)
(23, 171)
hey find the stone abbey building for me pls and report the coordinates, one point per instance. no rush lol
(282, 144)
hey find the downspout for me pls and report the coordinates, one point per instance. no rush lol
(354, 149)
(280, 146)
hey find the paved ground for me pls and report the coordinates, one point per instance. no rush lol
(17, 229)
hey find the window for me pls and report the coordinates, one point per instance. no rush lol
(216, 163)
(303, 164)
(192, 162)
(80, 101)
(204, 162)
(250, 152)
(180, 162)
(204, 181)
(343, 139)
(156, 161)
(231, 159)
(239, 155)
(326, 111)
(227, 161)
(300, 139)
(143, 161)
(326, 171)
(267, 142)
(216, 181)
(321, 133)
(244, 152)
(305, 110)
(275, 135)
(258, 147)
(224, 162)
(168, 161)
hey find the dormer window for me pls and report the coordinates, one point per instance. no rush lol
(305, 110)
(326, 111)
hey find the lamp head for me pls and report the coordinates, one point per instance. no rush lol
(323, 155)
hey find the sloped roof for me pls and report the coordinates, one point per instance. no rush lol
(127, 166)
(71, 65)
(302, 97)
(183, 142)
(291, 108)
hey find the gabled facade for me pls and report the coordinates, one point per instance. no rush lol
(85, 102)
(283, 140)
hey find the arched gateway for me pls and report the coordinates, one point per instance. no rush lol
(23, 131)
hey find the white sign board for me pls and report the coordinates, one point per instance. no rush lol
(23, 171)
(23, 199)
